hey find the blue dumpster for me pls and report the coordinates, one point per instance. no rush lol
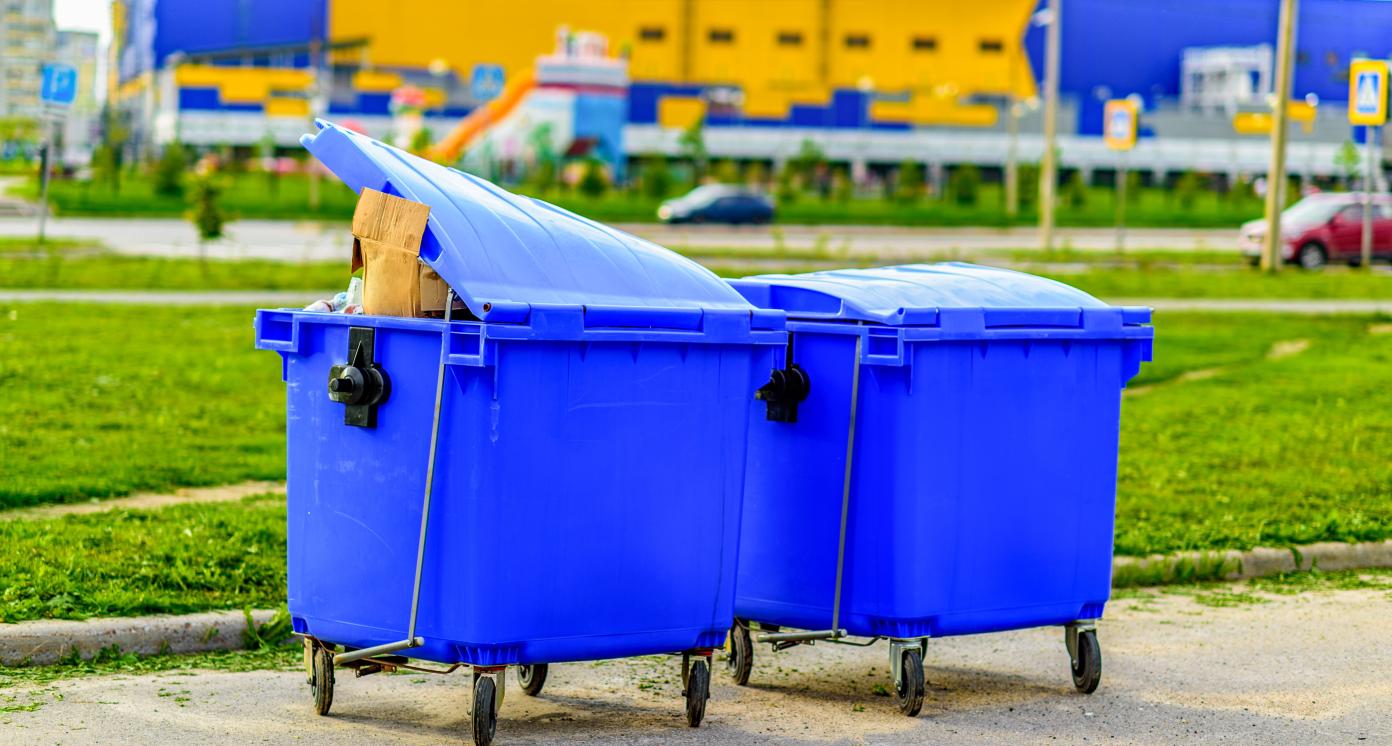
(938, 457)
(578, 432)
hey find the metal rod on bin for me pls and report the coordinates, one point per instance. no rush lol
(411, 640)
(835, 633)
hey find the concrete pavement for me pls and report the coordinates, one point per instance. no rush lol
(312, 241)
(1278, 669)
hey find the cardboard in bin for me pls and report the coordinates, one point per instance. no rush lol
(387, 234)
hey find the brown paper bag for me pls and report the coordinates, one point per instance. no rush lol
(387, 234)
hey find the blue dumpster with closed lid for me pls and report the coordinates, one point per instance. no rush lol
(554, 474)
(937, 457)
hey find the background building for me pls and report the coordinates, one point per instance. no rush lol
(80, 49)
(871, 81)
(27, 39)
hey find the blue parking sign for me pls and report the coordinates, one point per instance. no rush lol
(59, 84)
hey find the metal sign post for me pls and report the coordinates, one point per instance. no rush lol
(1368, 107)
(57, 92)
(1120, 126)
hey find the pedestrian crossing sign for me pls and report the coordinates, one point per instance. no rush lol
(1119, 123)
(1368, 92)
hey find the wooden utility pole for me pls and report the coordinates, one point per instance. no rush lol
(1276, 175)
(1048, 167)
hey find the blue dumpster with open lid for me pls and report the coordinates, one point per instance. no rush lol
(937, 457)
(554, 475)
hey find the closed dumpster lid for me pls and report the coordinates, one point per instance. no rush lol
(503, 253)
(916, 294)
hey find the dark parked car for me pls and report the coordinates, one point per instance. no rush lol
(1324, 228)
(717, 203)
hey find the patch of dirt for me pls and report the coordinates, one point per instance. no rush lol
(1380, 328)
(1287, 348)
(222, 493)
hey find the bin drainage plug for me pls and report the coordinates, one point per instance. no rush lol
(785, 388)
(360, 384)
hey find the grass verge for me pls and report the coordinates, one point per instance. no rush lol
(176, 560)
(1262, 450)
(115, 662)
(110, 400)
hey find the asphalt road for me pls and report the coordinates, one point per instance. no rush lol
(1298, 669)
(307, 241)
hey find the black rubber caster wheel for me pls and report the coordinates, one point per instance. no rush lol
(485, 711)
(1087, 663)
(697, 691)
(908, 691)
(739, 654)
(532, 678)
(322, 678)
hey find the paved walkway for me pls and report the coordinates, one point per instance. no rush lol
(306, 241)
(1292, 669)
(297, 298)
(220, 493)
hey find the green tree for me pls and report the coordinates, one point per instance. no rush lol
(1346, 160)
(1186, 189)
(787, 188)
(808, 163)
(169, 170)
(205, 211)
(756, 174)
(421, 141)
(693, 147)
(726, 171)
(1028, 181)
(593, 183)
(908, 187)
(1075, 191)
(657, 178)
(842, 188)
(965, 184)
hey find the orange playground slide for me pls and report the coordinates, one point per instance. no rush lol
(479, 120)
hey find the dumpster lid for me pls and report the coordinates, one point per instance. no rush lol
(502, 252)
(914, 294)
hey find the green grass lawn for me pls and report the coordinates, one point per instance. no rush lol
(113, 399)
(254, 196)
(1142, 274)
(108, 400)
(176, 560)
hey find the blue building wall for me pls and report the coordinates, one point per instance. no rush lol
(1134, 46)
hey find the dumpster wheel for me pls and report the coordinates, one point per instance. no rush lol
(321, 675)
(908, 689)
(1086, 663)
(532, 678)
(485, 714)
(739, 653)
(697, 691)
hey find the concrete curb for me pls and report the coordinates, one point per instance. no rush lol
(1255, 563)
(47, 642)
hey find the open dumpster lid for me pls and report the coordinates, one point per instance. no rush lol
(916, 294)
(503, 253)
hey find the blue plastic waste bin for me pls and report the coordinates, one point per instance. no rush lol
(593, 406)
(938, 458)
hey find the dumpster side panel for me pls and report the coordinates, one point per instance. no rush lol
(983, 490)
(985, 487)
(792, 509)
(586, 498)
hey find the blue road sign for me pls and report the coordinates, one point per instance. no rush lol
(487, 82)
(59, 84)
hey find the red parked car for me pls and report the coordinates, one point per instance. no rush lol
(1324, 228)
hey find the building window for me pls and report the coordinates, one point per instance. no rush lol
(925, 43)
(789, 38)
(991, 46)
(652, 33)
(857, 41)
(721, 36)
